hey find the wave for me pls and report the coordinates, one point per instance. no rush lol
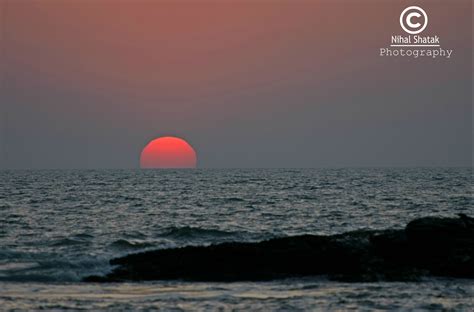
(75, 239)
(234, 199)
(126, 244)
(16, 266)
(53, 269)
(194, 232)
(57, 266)
(84, 236)
(67, 242)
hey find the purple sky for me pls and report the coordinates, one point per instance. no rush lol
(86, 84)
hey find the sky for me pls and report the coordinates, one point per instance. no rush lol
(264, 83)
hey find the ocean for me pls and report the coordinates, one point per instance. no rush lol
(58, 226)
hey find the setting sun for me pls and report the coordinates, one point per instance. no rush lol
(168, 152)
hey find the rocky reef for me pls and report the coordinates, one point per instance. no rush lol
(430, 246)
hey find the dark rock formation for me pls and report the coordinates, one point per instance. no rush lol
(428, 246)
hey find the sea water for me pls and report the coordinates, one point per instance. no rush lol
(58, 226)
